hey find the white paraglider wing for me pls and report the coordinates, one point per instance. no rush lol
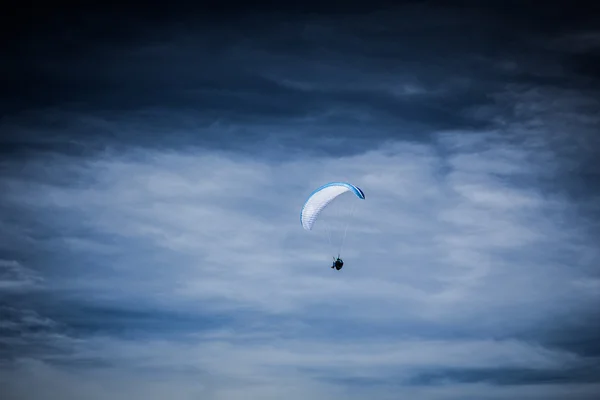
(321, 197)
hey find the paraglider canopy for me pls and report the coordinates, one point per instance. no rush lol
(321, 197)
(327, 196)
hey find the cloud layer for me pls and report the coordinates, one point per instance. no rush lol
(150, 244)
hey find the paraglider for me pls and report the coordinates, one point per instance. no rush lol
(337, 264)
(331, 196)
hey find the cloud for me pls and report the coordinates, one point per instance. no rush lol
(219, 368)
(150, 243)
(448, 240)
(14, 276)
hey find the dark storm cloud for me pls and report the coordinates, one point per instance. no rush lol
(294, 78)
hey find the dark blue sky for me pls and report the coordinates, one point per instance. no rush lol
(153, 163)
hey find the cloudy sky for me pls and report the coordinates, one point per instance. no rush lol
(153, 164)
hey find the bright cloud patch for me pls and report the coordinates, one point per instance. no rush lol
(448, 257)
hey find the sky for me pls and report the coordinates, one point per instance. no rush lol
(154, 162)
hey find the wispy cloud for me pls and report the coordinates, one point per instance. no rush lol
(448, 240)
(14, 276)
